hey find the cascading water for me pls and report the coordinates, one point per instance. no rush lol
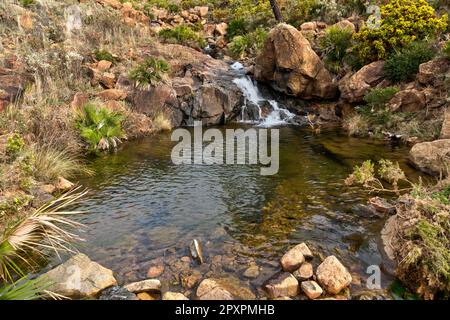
(254, 99)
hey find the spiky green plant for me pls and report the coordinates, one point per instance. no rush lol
(34, 235)
(100, 127)
(149, 71)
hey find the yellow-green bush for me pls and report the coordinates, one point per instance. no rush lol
(402, 22)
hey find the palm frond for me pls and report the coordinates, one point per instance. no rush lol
(26, 289)
(44, 230)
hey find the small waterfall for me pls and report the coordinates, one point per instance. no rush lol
(251, 110)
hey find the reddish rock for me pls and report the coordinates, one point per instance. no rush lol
(79, 100)
(282, 285)
(332, 275)
(112, 94)
(104, 65)
(311, 289)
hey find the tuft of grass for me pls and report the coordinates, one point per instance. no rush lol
(356, 125)
(334, 44)
(100, 127)
(247, 45)
(51, 163)
(161, 123)
(149, 72)
(446, 50)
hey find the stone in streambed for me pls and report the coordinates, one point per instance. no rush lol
(117, 293)
(174, 296)
(282, 285)
(252, 272)
(79, 277)
(292, 259)
(144, 286)
(332, 275)
(305, 272)
(209, 289)
(311, 289)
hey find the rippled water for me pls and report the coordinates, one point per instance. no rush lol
(142, 207)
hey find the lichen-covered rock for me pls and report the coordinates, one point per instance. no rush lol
(431, 157)
(288, 61)
(79, 277)
(332, 275)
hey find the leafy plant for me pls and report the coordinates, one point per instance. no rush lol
(378, 97)
(26, 3)
(237, 27)
(446, 50)
(150, 71)
(14, 145)
(402, 22)
(335, 44)
(100, 127)
(103, 54)
(249, 44)
(404, 64)
(182, 34)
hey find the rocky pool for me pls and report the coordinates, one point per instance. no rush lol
(144, 211)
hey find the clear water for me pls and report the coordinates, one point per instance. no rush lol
(143, 207)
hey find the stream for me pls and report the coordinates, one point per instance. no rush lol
(142, 208)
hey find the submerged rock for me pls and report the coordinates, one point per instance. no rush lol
(332, 275)
(79, 277)
(209, 289)
(252, 272)
(282, 285)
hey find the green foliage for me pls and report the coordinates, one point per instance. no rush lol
(14, 145)
(402, 22)
(404, 64)
(100, 127)
(300, 11)
(335, 44)
(446, 50)
(164, 4)
(184, 35)
(102, 54)
(25, 289)
(442, 196)
(150, 71)
(378, 97)
(236, 27)
(26, 3)
(247, 45)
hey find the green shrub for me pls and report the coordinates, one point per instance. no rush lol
(164, 4)
(26, 3)
(378, 97)
(402, 22)
(14, 145)
(102, 54)
(100, 127)
(236, 27)
(334, 44)
(183, 35)
(446, 50)
(404, 64)
(150, 71)
(247, 45)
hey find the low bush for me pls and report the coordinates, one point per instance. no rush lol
(247, 45)
(404, 64)
(14, 145)
(402, 22)
(236, 27)
(356, 125)
(102, 54)
(149, 72)
(378, 97)
(334, 45)
(100, 127)
(446, 50)
(184, 35)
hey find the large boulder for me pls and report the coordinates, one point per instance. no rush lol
(431, 157)
(12, 86)
(409, 100)
(353, 87)
(432, 73)
(445, 131)
(79, 277)
(288, 62)
(332, 275)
